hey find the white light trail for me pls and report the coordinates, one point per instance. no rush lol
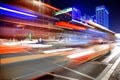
(81, 54)
(14, 11)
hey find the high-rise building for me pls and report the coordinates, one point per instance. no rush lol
(102, 16)
(85, 17)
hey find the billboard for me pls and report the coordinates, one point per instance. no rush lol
(63, 11)
(68, 14)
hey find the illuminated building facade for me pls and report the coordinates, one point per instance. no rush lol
(102, 16)
(85, 17)
(23, 17)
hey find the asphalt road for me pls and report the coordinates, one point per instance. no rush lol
(57, 64)
(95, 69)
(32, 68)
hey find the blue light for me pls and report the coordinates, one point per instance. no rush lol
(76, 14)
(18, 12)
(75, 9)
(96, 31)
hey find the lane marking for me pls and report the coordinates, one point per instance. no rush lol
(103, 73)
(109, 73)
(82, 74)
(60, 76)
(74, 71)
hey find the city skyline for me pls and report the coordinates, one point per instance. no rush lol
(102, 16)
(88, 7)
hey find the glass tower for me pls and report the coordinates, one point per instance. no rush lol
(102, 16)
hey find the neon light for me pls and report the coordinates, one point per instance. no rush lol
(71, 26)
(14, 11)
(63, 11)
(80, 54)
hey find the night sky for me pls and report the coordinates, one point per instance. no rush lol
(88, 7)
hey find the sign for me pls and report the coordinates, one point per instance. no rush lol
(63, 11)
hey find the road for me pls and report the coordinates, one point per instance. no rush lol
(34, 65)
(105, 67)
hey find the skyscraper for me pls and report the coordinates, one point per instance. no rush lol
(102, 16)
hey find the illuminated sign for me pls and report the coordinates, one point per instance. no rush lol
(63, 11)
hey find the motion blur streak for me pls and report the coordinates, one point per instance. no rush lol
(81, 54)
(14, 11)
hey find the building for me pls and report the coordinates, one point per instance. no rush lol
(34, 19)
(68, 14)
(85, 17)
(102, 16)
